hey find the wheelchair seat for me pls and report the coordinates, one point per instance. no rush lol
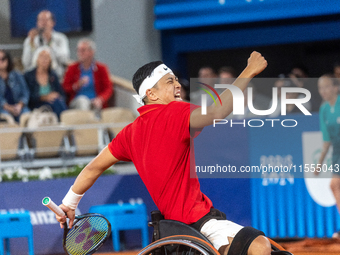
(164, 228)
(172, 227)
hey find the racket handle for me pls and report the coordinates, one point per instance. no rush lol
(52, 206)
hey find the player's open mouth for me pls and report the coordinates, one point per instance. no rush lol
(178, 95)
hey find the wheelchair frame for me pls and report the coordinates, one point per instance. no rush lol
(177, 238)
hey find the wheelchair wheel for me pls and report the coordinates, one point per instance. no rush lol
(179, 245)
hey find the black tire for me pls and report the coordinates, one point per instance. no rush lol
(179, 245)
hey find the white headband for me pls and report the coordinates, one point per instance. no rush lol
(151, 81)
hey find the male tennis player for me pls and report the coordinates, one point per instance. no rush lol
(159, 144)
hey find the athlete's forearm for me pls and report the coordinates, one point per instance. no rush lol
(256, 64)
(221, 111)
(93, 170)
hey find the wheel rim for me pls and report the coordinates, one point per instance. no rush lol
(178, 247)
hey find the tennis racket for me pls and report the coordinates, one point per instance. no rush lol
(88, 233)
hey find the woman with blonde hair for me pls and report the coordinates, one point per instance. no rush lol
(43, 83)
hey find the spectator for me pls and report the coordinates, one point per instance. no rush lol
(206, 72)
(298, 75)
(207, 75)
(44, 34)
(14, 94)
(300, 78)
(330, 128)
(227, 74)
(87, 82)
(43, 83)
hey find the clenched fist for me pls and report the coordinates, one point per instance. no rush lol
(256, 63)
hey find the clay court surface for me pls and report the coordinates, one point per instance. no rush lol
(303, 247)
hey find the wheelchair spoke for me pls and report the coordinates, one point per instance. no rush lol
(177, 249)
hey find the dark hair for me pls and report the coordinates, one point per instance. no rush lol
(142, 73)
(336, 64)
(302, 67)
(227, 69)
(208, 67)
(10, 65)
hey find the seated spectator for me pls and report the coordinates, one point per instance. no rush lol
(14, 94)
(206, 75)
(87, 82)
(300, 78)
(227, 74)
(206, 72)
(43, 83)
(44, 34)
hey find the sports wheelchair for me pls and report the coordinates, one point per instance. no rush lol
(176, 238)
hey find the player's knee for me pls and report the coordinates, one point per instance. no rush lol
(223, 250)
(260, 246)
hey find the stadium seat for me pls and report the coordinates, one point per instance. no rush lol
(124, 217)
(48, 142)
(9, 138)
(117, 115)
(14, 225)
(86, 139)
(44, 142)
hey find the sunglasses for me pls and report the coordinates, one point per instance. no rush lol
(3, 58)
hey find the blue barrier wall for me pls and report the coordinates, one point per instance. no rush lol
(212, 25)
(18, 196)
(281, 204)
(176, 14)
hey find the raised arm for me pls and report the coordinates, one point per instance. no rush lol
(85, 180)
(256, 64)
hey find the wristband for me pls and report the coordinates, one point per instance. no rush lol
(71, 200)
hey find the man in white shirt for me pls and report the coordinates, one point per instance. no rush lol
(44, 34)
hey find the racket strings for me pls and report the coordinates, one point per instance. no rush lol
(86, 235)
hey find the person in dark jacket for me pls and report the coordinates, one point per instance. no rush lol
(14, 94)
